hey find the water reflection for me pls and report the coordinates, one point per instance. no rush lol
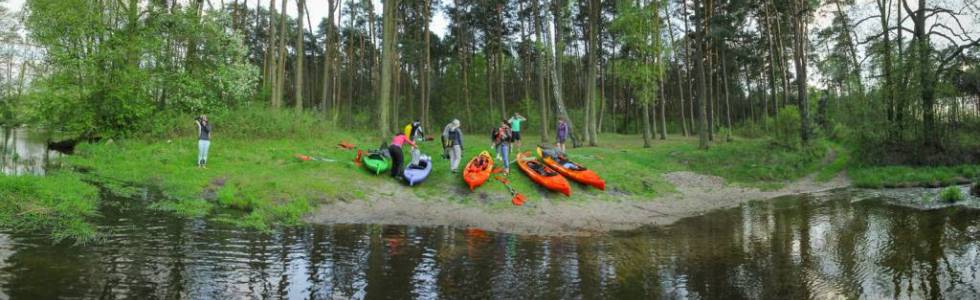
(786, 248)
(23, 151)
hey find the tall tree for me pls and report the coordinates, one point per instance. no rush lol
(799, 52)
(699, 58)
(555, 60)
(542, 70)
(300, 53)
(388, 64)
(590, 94)
(328, 65)
(427, 63)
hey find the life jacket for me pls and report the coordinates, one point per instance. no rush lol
(408, 130)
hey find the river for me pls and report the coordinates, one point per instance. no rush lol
(24, 151)
(794, 247)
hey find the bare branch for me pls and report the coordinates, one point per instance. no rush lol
(876, 36)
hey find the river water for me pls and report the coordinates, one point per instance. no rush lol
(796, 247)
(838, 244)
(24, 152)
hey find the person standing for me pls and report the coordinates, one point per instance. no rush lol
(562, 132)
(414, 131)
(397, 157)
(501, 142)
(452, 144)
(203, 140)
(515, 128)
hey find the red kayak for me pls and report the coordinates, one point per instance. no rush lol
(542, 174)
(478, 170)
(572, 170)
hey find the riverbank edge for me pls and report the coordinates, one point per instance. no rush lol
(695, 194)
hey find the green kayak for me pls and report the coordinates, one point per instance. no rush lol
(376, 162)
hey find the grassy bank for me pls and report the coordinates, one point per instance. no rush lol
(258, 182)
(906, 176)
(253, 178)
(60, 204)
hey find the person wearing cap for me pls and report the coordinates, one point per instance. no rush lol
(452, 144)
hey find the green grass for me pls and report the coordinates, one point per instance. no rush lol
(757, 163)
(951, 194)
(261, 183)
(59, 204)
(899, 176)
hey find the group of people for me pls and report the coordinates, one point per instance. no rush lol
(502, 138)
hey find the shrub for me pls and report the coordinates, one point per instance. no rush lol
(785, 127)
(951, 194)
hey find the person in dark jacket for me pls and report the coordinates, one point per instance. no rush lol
(452, 143)
(562, 134)
(203, 140)
(501, 142)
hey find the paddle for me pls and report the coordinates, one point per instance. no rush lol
(518, 199)
(303, 157)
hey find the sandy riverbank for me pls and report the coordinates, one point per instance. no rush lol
(696, 194)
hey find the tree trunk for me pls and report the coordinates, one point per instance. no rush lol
(556, 84)
(270, 53)
(500, 65)
(279, 87)
(728, 106)
(646, 124)
(542, 72)
(592, 77)
(300, 53)
(663, 110)
(782, 60)
(426, 72)
(772, 66)
(687, 53)
(888, 89)
(388, 65)
(699, 65)
(800, 54)
(325, 96)
(680, 78)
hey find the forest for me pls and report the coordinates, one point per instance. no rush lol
(898, 79)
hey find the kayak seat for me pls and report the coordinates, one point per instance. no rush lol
(570, 165)
(540, 169)
(420, 166)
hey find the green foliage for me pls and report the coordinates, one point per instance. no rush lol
(951, 194)
(105, 79)
(639, 31)
(786, 127)
(756, 162)
(59, 203)
(869, 176)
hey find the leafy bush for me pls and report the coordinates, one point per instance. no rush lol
(951, 194)
(751, 130)
(785, 127)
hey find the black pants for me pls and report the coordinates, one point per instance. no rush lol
(397, 159)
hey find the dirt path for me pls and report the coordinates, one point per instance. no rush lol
(696, 194)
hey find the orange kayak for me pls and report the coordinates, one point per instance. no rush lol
(542, 174)
(478, 170)
(573, 170)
